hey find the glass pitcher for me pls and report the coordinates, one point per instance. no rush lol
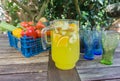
(65, 47)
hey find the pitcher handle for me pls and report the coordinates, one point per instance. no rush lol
(44, 40)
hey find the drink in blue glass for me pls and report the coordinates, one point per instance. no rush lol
(88, 45)
(97, 42)
(82, 41)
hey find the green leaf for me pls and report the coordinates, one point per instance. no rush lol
(7, 26)
(51, 2)
(101, 1)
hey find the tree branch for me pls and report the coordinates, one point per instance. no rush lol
(77, 8)
(45, 4)
(26, 9)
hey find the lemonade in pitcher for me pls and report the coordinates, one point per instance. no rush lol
(65, 47)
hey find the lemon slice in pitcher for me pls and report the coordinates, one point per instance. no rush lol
(63, 41)
(56, 37)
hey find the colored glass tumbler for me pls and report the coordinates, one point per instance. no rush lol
(110, 40)
(97, 42)
(88, 45)
(82, 50)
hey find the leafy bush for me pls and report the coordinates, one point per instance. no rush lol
(92, 11)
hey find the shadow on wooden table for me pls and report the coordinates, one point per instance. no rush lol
(55, 74)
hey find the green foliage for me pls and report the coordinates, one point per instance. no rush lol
(61, 9)
(92, 11)
(12, 9)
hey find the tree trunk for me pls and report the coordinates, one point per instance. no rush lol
(77, 8)
(44, 6)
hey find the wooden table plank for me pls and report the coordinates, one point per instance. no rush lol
(96, 63)
(8, 61)
(19, 55)
(55, 74)
(9, 51)
(3, 36)
(96, 73)
(94, 70)
(23, 68)
(112, 80)
(25, 77)
(15, 67)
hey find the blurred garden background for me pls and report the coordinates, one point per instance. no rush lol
(90, 13)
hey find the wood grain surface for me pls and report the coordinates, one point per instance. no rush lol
(55, 74)
(15, 67)
(95, 71)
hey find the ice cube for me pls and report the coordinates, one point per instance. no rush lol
(58, 24)
(65, 26)
(73, 38)
(63, 32)
(56, 31)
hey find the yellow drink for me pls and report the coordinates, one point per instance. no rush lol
(64, 42)
(65, 47)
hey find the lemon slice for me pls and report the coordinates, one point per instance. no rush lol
(56, 37)
(63, 41)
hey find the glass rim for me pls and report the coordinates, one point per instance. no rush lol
(111, 32)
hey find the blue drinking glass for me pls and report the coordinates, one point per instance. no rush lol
(97, 42)
(88, 45)
(82, 41)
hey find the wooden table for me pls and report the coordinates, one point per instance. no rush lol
(14, 67)
(93, 70)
